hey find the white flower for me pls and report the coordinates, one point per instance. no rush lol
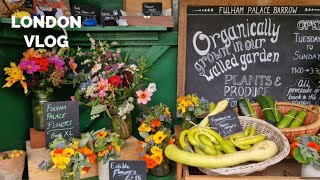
(114, 43)
(152, 87)
(95, 68)
(118, 50)
(121, 65)
(90, 92)
(130, 99)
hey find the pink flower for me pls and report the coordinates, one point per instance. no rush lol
(73, 66)
(30, 66)
(73, 98)
(102, 94)
(143, 96)
(57, 61)
(103, 84)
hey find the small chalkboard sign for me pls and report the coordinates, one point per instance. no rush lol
(61, 117)
(109, 14)
(226, 123)
(86, 12)
(152, 9)
(123, 170)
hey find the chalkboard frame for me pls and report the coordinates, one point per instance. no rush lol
(183, 5)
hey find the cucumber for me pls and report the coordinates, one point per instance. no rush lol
(243, 107)
(299, 119)
(266, 108)
(287, 119)
(275, 111)
(252, 113)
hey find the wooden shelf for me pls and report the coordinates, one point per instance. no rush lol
(35, 156)
(101, 28)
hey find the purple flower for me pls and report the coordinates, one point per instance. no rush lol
(57, 61)
(29, 65)
(108, 54)
(162, 117)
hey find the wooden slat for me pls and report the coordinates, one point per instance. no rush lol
(133, 7)
(35, 156)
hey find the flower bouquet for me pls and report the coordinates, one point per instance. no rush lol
(107, 83)
(306, 151)
(41, 71)
(155, 129)
(191, 106)
(72, 158)
(107, 147)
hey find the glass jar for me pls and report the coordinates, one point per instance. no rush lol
(186, 119)
(121, 126)
(38, 100)
(66, 176)
(161, 169)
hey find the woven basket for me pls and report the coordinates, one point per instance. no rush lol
(310, 125)
(8, 6)
(272, 133)
(12, 169)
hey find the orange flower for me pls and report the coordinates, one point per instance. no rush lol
(155, 122)
(102, 153)
(140, 145)
(58, 151)
(314, 145)
(110, 147)
(92, 158)
(171, 141)
(86, 169)
(151, 163)
(102, 134)
(293, 146)
(85, 150)
(158, 158)
(31, 53)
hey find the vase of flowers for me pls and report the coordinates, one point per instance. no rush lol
(155, 129)
(72, 158)
(107, 84)
(107, 147)
(306, 151)
(190, 107)
(41, 71)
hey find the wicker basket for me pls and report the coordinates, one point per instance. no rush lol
(310, 125)
(272, 133)
(8, 6)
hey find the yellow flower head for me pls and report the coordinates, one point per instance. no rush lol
(102, 134)
(195, 100)
(159, 137)
(167, 112)
(182, 98)
(15, 74)
(158, 158)
(102, 153)
(183, 105)
(68, 152)
(156, 150)
(144, 128)
(148, 139)
(76, 144)
(60, 161)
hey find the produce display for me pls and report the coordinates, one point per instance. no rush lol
(205, 148)
(11, 154)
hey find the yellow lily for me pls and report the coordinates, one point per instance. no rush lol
(15, 74)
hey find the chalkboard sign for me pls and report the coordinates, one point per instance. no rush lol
(123, 170)
(244, 51)
(225, 123)
(61, 117)
(86, 12)
(152, 9)
(109, 14)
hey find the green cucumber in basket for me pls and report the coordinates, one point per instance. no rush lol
(275, 111)
(287, 119)
(266, 109)
(243, 107)
(299, 119)
(252, 113)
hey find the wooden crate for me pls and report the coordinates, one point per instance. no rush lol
(35, 156)
(286, 169)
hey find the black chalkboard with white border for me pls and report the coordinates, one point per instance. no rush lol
(226, 123)
(245, 51)
(61, 117)
(152, 8)
(123, 170)
(86, 12)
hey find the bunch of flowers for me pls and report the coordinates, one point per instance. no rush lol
(153, 119)
(192, 104)
(106, 145)
(41, 69)
(151, 149)
(306, 150)
(73, 158)
(107, 81)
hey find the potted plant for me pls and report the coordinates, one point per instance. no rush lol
(107, 83)
(306, 151)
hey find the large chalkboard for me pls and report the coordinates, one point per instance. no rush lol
(245, 51)
(61, 117)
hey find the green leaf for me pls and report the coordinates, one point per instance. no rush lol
(98, 109)
(212, 106)
(83, 142)
(108, 113)
(298, 156)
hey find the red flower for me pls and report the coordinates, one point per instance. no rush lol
(43, 63)
(58, 151)
(313, 145)
(115, 81)
(293, 146)
(92, 158)
(155, 122)
(127, 78)
(86, 169)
